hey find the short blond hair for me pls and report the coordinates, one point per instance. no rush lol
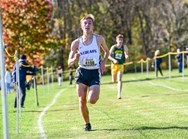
(89, 16)
(119, 36)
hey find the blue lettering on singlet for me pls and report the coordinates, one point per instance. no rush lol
(88, 52)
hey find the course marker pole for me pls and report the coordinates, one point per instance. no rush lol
(142, 67)
(169, 65)
(48, 79)
(52, 76)
(183, 75)
(18, 110)
(155, 68)
(4, 101)
(147, 68)
(42, 73)
(35, 91)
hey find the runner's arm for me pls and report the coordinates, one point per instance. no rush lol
(106, 53)
(73, 55)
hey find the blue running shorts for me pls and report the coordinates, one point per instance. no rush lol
(88, 77)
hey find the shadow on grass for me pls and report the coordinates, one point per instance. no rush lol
(159, 128)
(55, 110)
(127, 81)
(36, 111)
(146, 79)
(146, 128)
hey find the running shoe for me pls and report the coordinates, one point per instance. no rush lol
(88, 127)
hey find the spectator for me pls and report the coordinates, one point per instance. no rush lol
(70, 75)
(179, 60)
(7, 80)
(158, 61)
(186, 55)
(59, 72)
(24, 70)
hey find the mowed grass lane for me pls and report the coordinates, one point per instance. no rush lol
(150, 109)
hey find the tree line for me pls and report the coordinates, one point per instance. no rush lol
(147, 25)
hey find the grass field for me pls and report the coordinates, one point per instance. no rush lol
(150, 109)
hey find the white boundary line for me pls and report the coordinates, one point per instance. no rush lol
(169, 87)
(41, 129)
(165, 86)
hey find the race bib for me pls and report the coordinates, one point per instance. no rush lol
(90, 62)
(118, 56)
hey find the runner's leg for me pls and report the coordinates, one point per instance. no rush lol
(119, 85)
(82, 93)
(93, 94)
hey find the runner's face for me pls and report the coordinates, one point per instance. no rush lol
(87, 26)
(119, 40)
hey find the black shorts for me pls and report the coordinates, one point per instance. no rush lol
(87, 76)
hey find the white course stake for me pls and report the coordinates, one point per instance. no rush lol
(4, 101)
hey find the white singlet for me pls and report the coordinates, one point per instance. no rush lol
(89, 54)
